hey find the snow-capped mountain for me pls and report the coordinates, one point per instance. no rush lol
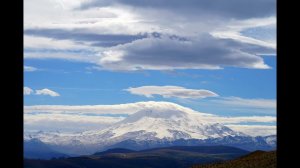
(160, 122)
(164, 123)
(271, 140)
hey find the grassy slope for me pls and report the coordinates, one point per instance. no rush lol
(258, 159)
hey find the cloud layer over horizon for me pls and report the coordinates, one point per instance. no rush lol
(87, 117)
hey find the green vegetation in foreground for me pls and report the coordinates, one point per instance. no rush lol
(257, 159)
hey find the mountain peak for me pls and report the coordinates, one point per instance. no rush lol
(158, 113)
(164, 120)
(151, 122)
(161, 106)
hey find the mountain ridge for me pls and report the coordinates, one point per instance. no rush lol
(177, 157)
(158, 124)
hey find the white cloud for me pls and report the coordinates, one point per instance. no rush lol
(255, 8)
(236, 120)
(67, 122)
(251, 103)
(128, 108)
(87, 116)
(33, 42)
(171, 91)
(29, 69)
(63, 55)
(131, 108)
(234, 28)
(27, 91)
(255, 130)
(237, 36)
(47, 92)
(167, 53)
(71, 25)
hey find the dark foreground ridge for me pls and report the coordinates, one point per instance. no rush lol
(175, 157)
(257, 159)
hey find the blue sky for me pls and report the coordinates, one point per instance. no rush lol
(89, 53)
(78, 84)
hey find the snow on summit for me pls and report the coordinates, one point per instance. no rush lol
(152, 121)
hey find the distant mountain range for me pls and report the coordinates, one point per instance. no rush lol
(38, 150)
(243, 142)
(257, 159)
(175, 157)
(161, 124)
